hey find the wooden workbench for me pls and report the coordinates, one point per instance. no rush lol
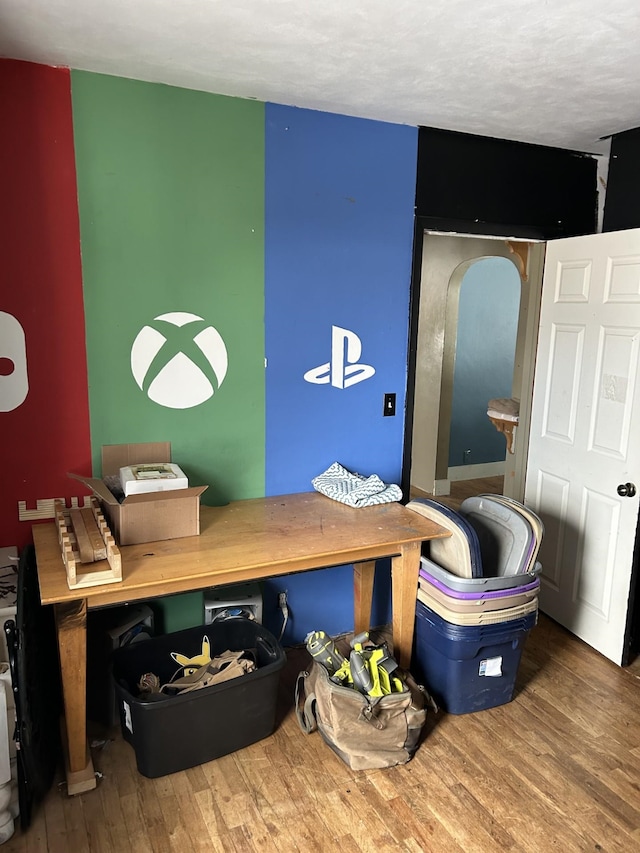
(242, 541)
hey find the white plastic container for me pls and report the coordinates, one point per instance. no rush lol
(152, 477)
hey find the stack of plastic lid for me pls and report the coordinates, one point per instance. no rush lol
(480, 607)
(485, 572)
(477, 600)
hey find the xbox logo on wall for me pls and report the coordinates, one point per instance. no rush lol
(179, 360)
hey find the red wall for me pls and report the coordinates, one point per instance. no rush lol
(41, 286)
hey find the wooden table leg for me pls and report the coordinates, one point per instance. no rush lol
(363, 574)
(404, 591)
(71, 623)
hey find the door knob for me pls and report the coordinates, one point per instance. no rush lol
(626, 490)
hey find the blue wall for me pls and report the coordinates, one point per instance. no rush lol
(339, 203)
(485, 350)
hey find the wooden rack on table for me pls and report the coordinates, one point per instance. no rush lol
(85, 539)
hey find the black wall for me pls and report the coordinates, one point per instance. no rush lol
(476, 184)
(622, 205)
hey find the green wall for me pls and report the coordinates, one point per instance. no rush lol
(171, 199)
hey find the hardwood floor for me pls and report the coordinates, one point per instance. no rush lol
(461, 489)
(558, 768)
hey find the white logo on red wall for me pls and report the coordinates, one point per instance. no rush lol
(179, 360)
(344, 369)
(14, 382)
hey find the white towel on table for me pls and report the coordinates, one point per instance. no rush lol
(354, 489)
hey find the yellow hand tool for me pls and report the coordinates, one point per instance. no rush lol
(322, 648)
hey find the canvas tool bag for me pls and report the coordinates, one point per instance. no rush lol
(366, 732)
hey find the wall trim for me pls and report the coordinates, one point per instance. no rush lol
(475, 472)
(441, 488)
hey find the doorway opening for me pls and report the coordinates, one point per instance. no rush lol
(443, 261)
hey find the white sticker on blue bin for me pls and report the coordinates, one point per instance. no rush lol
(127, 716)
(491, 667)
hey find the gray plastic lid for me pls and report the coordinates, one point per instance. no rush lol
(478, 584)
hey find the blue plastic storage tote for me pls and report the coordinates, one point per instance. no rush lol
(468, 668)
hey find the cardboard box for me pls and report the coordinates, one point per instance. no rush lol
(148, 517)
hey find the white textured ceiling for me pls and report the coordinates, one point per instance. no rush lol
(556, 72)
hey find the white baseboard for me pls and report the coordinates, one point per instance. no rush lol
(475, 472)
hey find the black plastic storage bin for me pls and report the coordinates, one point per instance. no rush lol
(172, 733)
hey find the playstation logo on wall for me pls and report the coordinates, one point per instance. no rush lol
(344, 369)
(179, 360)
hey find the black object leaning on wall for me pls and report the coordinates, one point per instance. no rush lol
(35, 678)
(480, 185)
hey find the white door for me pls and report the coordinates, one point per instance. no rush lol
(585, 433)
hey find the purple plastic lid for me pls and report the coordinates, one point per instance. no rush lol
(499, 593)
